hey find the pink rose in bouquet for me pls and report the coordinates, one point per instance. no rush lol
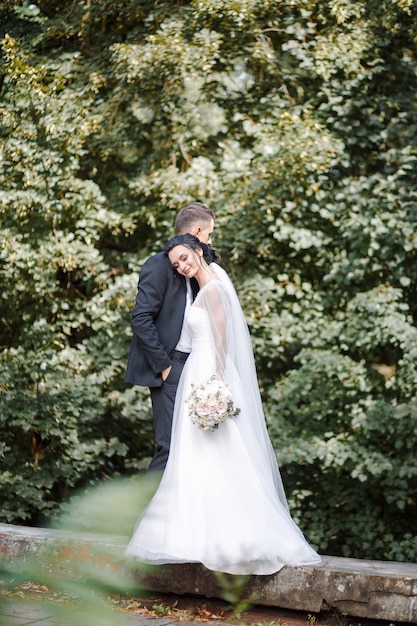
(210, 403)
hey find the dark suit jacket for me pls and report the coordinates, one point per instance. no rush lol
(157, 320)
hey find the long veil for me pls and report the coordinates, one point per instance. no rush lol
(236, 361)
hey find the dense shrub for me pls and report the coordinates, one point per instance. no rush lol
(295, 123)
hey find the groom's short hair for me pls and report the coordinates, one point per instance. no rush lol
(192, 215)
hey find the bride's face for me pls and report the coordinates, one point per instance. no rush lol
(187, 262)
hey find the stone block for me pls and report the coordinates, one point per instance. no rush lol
(379, 590)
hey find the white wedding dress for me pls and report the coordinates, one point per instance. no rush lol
(220, 501)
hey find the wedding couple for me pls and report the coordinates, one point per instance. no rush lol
(220, 501)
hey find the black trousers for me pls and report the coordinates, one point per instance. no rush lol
(163, 400)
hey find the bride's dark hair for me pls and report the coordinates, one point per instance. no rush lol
(189, 241)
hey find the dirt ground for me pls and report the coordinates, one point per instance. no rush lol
(189, 608)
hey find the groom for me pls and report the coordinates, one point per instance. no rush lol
(160, 346)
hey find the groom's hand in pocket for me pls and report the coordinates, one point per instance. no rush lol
(165, 373)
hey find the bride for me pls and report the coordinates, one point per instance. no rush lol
(220, 501)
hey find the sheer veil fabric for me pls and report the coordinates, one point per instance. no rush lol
(221, 501)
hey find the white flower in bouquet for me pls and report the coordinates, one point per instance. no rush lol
(210, 403)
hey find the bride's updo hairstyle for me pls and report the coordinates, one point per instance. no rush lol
(191, 242)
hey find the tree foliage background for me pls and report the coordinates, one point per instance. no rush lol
(295, 121)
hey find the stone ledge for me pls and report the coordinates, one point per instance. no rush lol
(382, 590)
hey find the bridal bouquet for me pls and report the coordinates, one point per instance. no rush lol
(210, 403)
